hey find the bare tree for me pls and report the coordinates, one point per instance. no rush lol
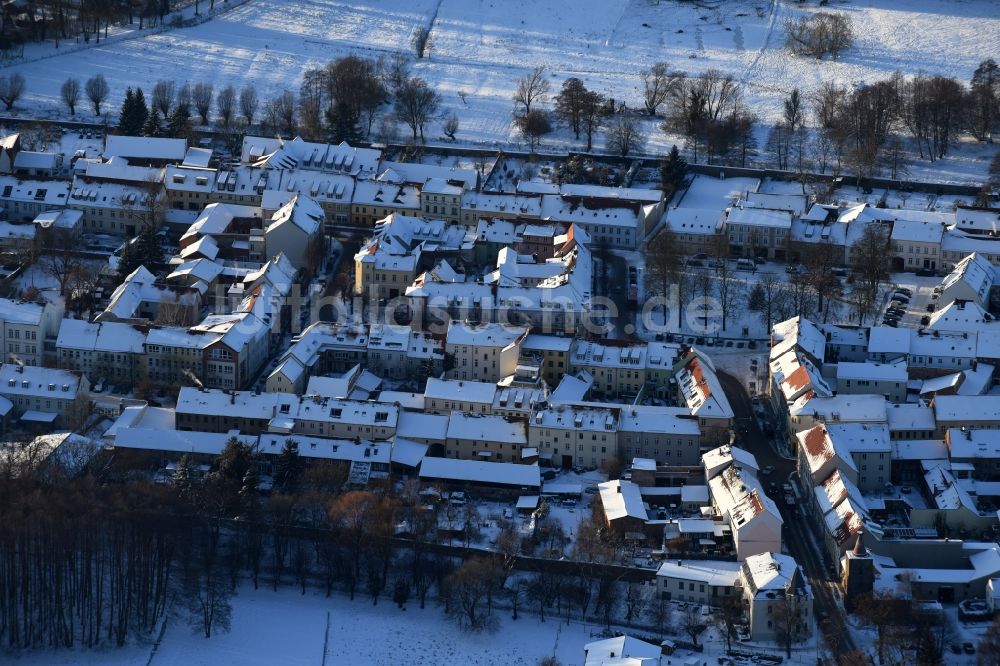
(769, 294)
(819, 34)
(201, 95)
(693, 623)
(450, 126)
(225, 105)
(534, 125)
(416, 104)
(658, 84)
(531, 88)
(791, 624)
(70, 93)
(248, 102)
(665, 269)
(97, 91)
(870, 264)
(624, 135)
(730, 615)
(989, 645)
(468, 588)
(11, 89)
(163, 96)
(279, 114)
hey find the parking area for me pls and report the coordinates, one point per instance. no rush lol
(910, 302)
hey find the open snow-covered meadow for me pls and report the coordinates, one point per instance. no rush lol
(481, 47)
(288, 628)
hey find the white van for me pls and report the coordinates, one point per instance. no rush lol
(746, 265)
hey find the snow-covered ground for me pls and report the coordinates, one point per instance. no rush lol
(481, 47)
(289, 628)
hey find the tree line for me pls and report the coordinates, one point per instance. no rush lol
(99, 558)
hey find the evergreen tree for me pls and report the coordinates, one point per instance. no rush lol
(757, 298)
(179, 124)
(183, 478)
(140, 111)
(235, 460)
(153, 125)
(672, 171)
(127, 112)
(149, 248)
(342, 124)
(128, 262)
(289, 466)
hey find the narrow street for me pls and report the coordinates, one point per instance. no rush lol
(830, 613)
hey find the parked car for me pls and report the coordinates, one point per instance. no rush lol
(930, 307)
(695, 263)
(769, 469)
(968, 648)
(925, 320)
(904, 291)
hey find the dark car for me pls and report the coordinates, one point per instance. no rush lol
(695, 263)
(925, 272)
(955, 648)
(925, 320)
(968, 648)
(930, 307)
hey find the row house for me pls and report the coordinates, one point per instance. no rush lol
(25, 326)
(111, 352)
(25, 199)
(118, 198)
(45, 397)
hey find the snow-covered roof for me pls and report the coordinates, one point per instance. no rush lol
(719, 458)
(588, 419)
(459, 390)
(973, 443)
(301, 211)
(770, 571)
(683, 220)
(621, 651)
(650, 419)
(910, 416)
(757, 217)
(717, 573)
(49, 192)
(856, 408)
(418, 425)
(917, 231)
(484, 335)
(20, 312)
(801, 333)
(965, 408)
(622, 499)
(418, 174)
(100, 336)
(298, 153)
(145, 148)
(701, 390)
(889, 340)
(38, 382)
(882, 372)
(477, 471)
(487, 428)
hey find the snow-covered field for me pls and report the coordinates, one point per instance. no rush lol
(480, 47)
(288, 628)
